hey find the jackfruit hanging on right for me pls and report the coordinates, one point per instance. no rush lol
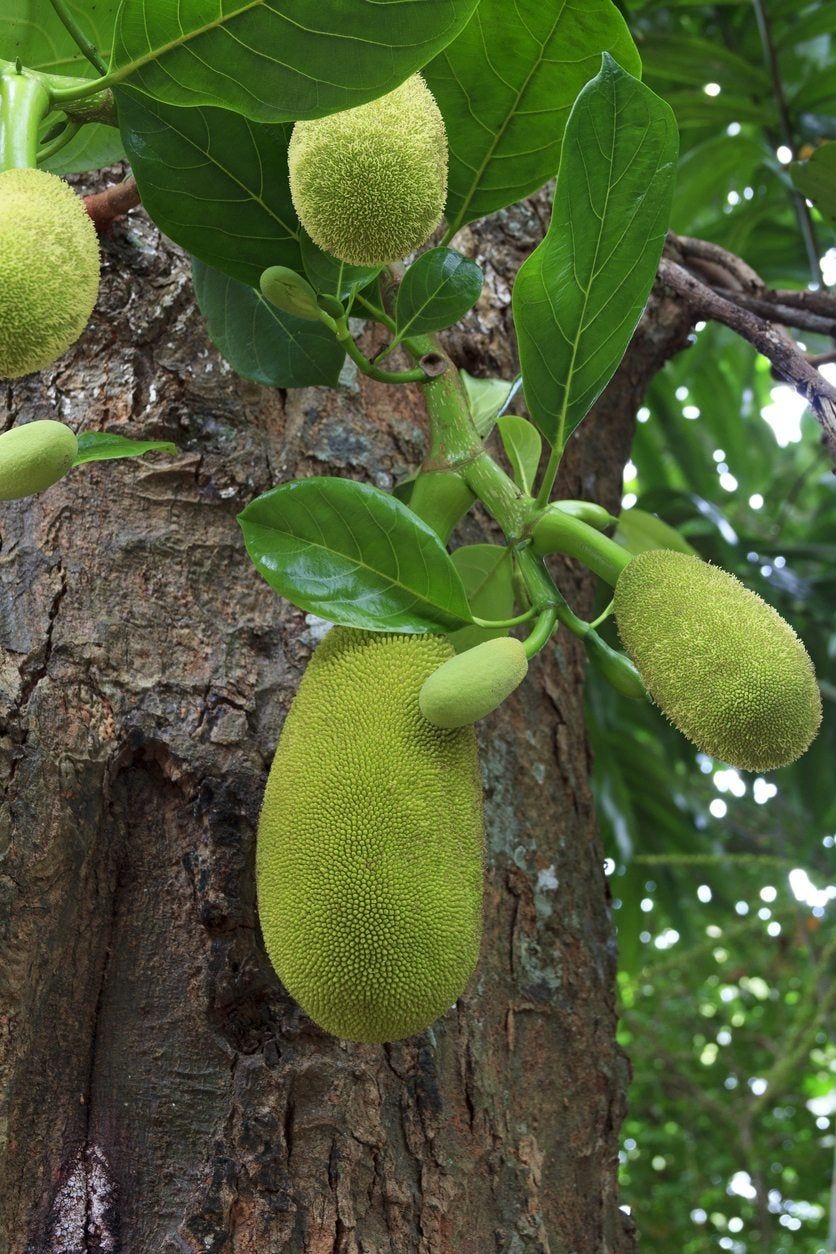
(723, 665)
(369, 862)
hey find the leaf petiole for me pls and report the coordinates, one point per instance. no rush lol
(89, 49)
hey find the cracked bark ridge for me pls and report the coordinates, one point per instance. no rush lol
(160, 1091)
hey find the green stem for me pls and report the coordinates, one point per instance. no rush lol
(506, 622)
(55, 145)
(88, 48)
(369, 368)
(379, 315)
(558, 532)
(24, 103)
(542, 632)
(549, 476)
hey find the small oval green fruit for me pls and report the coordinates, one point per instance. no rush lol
(369, 860)
(723, 665)
(49, 262)
(34, 456)
(473, 683)
(369, 184)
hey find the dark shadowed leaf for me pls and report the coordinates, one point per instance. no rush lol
(261, 342)
(214, 182)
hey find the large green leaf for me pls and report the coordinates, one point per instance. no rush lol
(214, 182)
(261, 342)
(506, 86)
(579, 295)
(436, 291)
(278, 60)
(31, 30)
(354, 555)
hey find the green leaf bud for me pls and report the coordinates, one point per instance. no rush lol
(369, 184)
(49, 261)
(723, 665)
(33, 457)
(472, 684)
(288, 291)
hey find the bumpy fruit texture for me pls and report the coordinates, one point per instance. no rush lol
(472, 684)
(33, 457)
(369, 184)
(369, 861)
(723, 665)
(49, 263)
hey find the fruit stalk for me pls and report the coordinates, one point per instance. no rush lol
(24, 103)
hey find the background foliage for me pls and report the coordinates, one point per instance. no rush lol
(723, 884)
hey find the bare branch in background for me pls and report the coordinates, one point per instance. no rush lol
(773, 342)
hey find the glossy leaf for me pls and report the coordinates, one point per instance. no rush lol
(523, 446)
(101, 446)
(579, 295)
(436, 291)
(354, 555)
(260, 342)
(278, 60)
(31, 30)
(506, 87)
(215, 183)
(486, 573)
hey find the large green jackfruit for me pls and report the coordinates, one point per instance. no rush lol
(369, 184)
(369, 860)
(723, 665)
(49, 270)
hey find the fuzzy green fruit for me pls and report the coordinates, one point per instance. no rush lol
(49, 263)
(369, 184)
(369, 862)
(723, 665)
(472, 684)
(33, 457)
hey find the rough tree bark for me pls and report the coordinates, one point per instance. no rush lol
(160, 1092)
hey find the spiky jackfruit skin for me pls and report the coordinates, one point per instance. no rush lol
(472, 684)
(49, 263)
(369, 184)
(34, 456)
(723, 665)
(369, 862)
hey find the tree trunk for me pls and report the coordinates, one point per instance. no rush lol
(160, 1091)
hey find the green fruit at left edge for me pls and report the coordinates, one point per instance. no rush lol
(33, 457)
(369, 861)
(49, 270)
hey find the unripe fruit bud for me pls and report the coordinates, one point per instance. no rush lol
(33, 457)
(473, 683)
(723, 665)
(49, 262)
(369, 184)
